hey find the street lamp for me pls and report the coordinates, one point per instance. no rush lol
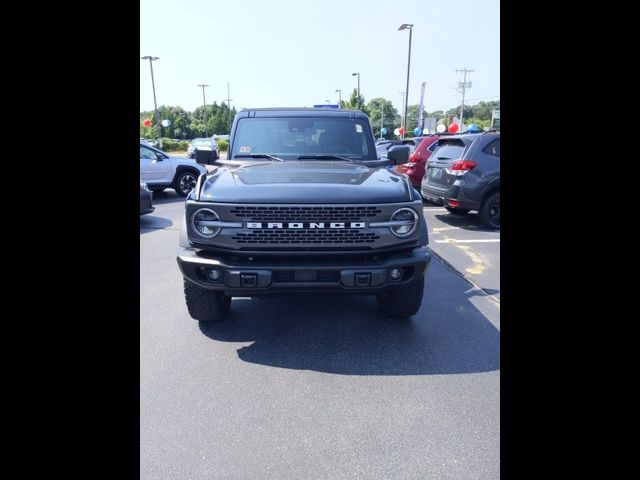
(407, 26)
(328, 102)
(153, 85)
(381, 120)
(204, 103)
(339, 98)
(358, 74)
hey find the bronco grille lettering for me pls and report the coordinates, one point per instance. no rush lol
(309, 225)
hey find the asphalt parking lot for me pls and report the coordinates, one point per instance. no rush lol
(466, 246)
(322, 386)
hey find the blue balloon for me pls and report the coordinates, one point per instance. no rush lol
(383, 130)
(473, 128)
(417, 131)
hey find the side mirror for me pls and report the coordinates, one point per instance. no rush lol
(398, 154)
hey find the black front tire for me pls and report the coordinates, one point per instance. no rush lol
(402, 302)
(457, 211)
(185, 182)
(204, 305)
(490, 211)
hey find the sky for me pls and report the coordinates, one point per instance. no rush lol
(296, 53)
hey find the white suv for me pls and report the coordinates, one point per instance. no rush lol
(160, 171)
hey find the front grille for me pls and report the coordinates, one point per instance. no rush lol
(304, 214)
(297, 236)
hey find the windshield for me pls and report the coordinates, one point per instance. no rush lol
(293, 137)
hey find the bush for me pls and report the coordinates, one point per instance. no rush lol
(169, 145)
(223, 145)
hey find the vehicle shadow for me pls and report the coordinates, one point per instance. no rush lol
(167, 196)
(149, 223)
(348, 336)
(470, 221)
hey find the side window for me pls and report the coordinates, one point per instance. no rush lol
(433, 146)
(147, 153)
(493, 148)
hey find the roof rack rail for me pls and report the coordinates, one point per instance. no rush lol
(494, 130)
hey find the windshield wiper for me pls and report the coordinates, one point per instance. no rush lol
(326, 157)
(259, 155)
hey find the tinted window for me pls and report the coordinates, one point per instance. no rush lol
(433, 146)
(452, 149)
(493, 148)
(147, 153)
(301, 136)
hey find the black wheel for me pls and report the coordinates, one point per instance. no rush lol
(157, 190)
(457, 211)
(490, 211)
(185, 182)
(402, 302)
(206, 305)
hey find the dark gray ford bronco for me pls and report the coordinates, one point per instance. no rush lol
(303, 204)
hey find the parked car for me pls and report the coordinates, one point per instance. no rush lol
(203, 144)
(383, 147)
(151, 143)
(415, 168)
(159, 171)
(463, 174)
(146, 199)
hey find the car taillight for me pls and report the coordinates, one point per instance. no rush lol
(414, 158)
(460, 167)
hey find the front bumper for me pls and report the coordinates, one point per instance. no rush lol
(146, 202)
(357, 275)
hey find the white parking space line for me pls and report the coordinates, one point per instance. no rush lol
(453, 240)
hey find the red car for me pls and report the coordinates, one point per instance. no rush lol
(418, 160)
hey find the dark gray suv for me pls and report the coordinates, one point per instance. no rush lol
(463, 174)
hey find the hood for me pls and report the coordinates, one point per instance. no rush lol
(305, 182)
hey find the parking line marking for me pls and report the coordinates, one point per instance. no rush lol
(453, 240)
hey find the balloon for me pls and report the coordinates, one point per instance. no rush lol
(473, 128)
(147, 123)
(417, 131)
(453, 128)
(440, 128)
(401, 130)
(166, 122)
(396, 131)
(383, 130)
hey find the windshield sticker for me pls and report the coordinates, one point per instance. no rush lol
(358, 128)
(245, 149)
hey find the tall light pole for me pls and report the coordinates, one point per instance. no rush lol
(229, 106)
(381, 120)
(204, 104)
(402, 110)
(358, 74)
(407, 26)
(153, 85)
(339, 98)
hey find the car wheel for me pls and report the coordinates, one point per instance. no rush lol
(457, 211)
(185, 182)
(402, 302)
(490, 211)
(204, 305)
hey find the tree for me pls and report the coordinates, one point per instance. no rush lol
(356, 102)
(376, 107)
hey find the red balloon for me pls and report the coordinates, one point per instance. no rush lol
(147, 123)
(401, 130)
(453, 128)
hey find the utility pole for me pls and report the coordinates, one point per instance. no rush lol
(229, 106)
(381, 120)
(462, 86)
(204, 103)
(153, 85)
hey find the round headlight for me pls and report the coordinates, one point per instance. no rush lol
(203, 222)
(405, 222)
